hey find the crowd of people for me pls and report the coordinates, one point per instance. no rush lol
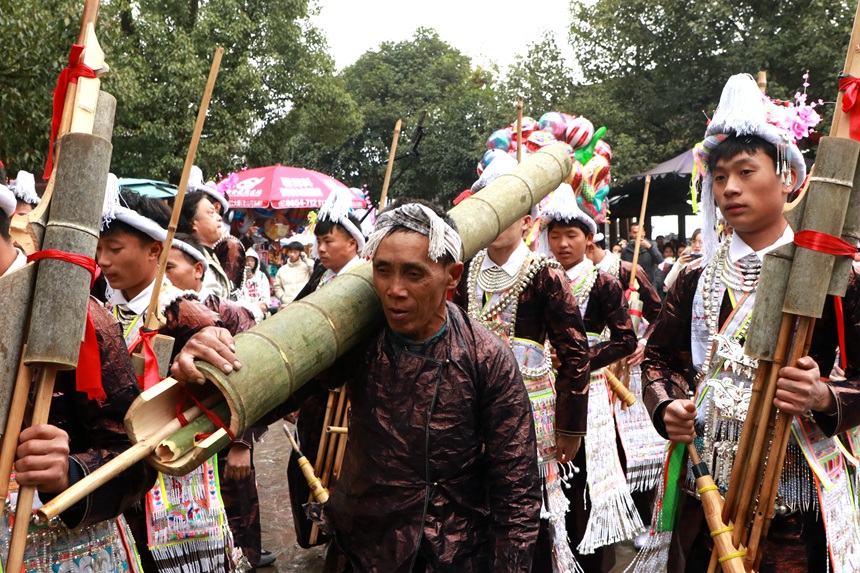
(486, 431)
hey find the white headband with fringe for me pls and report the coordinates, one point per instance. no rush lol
(24, 188)
(191, 251)
(421, 219)
(561, 207)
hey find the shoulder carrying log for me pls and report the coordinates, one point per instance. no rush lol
(304, 339)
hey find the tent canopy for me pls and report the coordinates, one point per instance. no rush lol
(669, 193)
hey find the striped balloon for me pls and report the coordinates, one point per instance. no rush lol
(579, 132)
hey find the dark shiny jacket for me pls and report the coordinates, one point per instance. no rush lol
(96, 431)
(547, 309)
(666, 372)
(440, 466)
(607, 307)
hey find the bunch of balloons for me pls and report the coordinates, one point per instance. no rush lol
(591, 155)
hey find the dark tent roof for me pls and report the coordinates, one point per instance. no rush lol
(668, 194)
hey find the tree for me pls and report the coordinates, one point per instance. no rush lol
(401, 81)
(657, 65)
(159, 52)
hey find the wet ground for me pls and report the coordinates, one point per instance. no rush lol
(270, 458)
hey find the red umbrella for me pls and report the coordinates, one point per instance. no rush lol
(279, 187)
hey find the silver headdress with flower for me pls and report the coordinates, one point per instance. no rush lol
(745, 111)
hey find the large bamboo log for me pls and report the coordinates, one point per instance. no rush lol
(61, 294)
(283, 353)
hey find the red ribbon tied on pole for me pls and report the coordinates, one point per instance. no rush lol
(850, 88)
(150, 362)
(76, 69)
(88, 374)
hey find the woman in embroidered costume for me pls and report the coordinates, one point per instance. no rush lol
(524, 298)
(565, 234)
(184, 520)
(749, 163)
(82, 434)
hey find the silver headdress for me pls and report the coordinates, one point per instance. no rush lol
(745, 111)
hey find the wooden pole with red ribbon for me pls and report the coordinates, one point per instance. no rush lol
(59, 312)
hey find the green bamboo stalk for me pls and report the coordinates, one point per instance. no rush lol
(284, 352)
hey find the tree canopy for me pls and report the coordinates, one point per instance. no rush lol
(159, 53)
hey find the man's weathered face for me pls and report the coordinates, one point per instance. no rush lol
(634, 232)
(411, 286)
(336, 248)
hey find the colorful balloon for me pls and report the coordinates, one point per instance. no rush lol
(539, 139)
(595, 171)
(487, 158)
(603, 148)
(554, 123)
(583, 154)
(500, 139)
(579, 132)
(575, 177)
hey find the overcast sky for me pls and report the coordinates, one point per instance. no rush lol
(494, 30)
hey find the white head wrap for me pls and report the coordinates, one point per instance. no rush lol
(7, 201)
(24, 188)
(744, 111)
(191, 251)
(561, 207)
(336, 209)
(113, 211)
(421, 219)
(195, 183)
(502, 164)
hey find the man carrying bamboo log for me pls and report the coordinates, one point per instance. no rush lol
(750, 164)
(84, 431)
(439, 469)
(565, 232)
(525, 299)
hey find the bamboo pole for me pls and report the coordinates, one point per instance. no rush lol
(26, 494)
(152, 322)
(712, 504)
(394, 139)
(761, 80)
(17, 409)
(21, 227)
(779, 446)
(623, 394)
(138, 452)
(329, 407)
(318, 492)
(519, 129)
